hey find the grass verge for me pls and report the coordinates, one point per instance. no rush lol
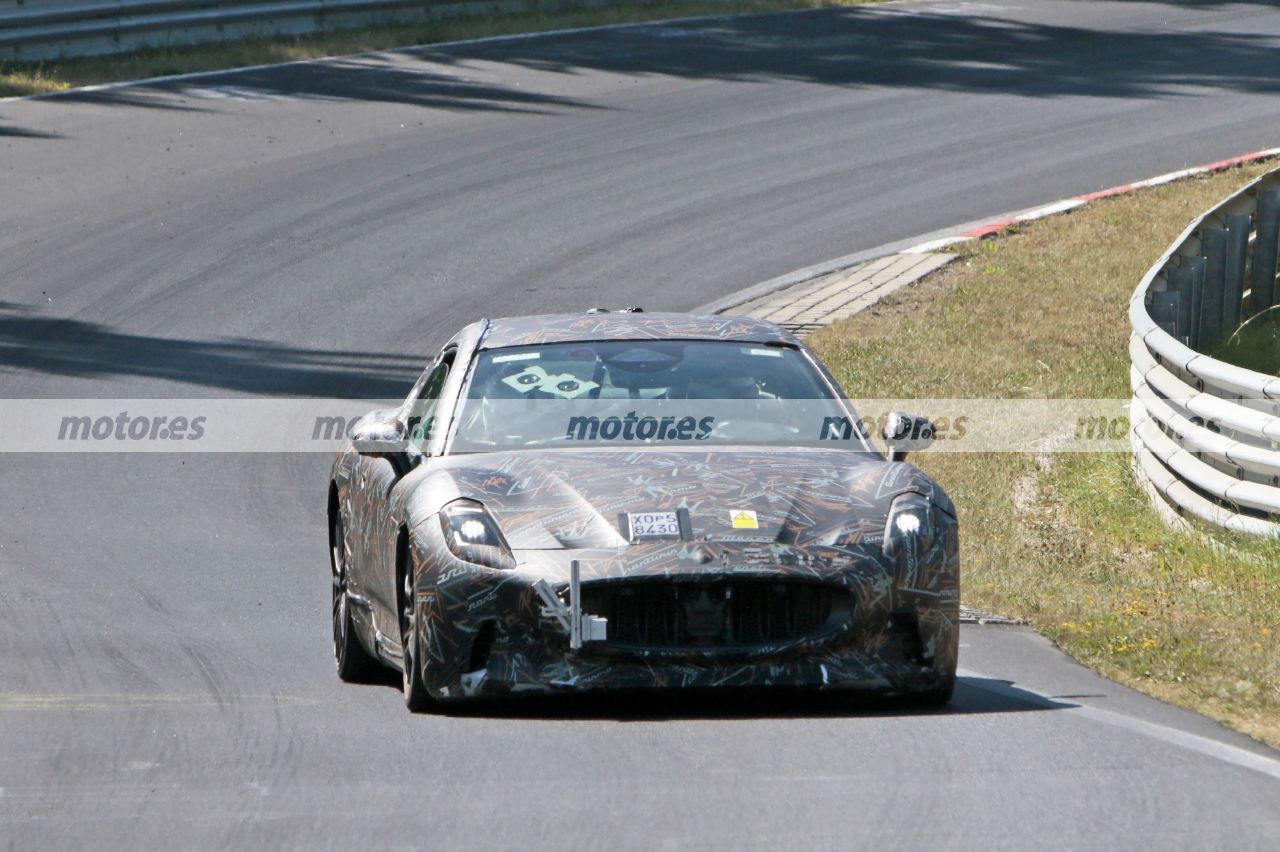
(53, 76)
(1069, 542)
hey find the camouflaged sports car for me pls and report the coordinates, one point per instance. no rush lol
(620, 500)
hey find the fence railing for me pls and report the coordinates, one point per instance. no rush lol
(47, 29)
(1206, 433)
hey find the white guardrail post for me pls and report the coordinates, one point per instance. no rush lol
(1205, 433)
(33, 30)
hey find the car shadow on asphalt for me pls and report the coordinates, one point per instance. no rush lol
(973, 695)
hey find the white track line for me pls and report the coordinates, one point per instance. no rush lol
(1206, 746)
(387, 52)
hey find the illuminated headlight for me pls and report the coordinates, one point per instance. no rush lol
(472, 531)
(473, 536)
(910, 525)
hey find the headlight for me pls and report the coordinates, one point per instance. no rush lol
(909, 530)
(473, 536)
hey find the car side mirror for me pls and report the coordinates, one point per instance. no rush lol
(378, 433)
(904, 433)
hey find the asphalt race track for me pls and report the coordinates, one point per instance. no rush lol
(166, 678)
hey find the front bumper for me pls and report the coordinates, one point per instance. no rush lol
(853, 671)
(487, 633)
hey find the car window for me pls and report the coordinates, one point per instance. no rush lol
(422, 411)
(658, 391)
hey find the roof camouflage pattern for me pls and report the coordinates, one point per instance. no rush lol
(563, 328)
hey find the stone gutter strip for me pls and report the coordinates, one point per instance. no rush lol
(808, 306)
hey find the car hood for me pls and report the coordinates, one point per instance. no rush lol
(578, 499)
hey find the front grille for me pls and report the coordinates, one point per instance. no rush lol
(721, 614)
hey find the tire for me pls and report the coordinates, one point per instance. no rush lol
(353, 662)
(416, 697)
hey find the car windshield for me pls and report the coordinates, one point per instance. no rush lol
(647, 392)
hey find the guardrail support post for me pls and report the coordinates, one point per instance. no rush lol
(1213, 242)
(1196, 267)
(1238, 226)
(1179, 281)
(1264, 251)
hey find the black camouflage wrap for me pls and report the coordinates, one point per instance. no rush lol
(806, 597)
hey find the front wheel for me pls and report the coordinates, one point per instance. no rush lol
(416, 697)
(354, 664)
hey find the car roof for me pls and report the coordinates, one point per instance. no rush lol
(620, 325)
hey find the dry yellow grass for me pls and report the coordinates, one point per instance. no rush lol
(37, 78)
(1069, 542)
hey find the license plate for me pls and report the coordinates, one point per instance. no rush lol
(654, 524)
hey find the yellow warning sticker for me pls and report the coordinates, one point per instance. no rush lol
(744, 519)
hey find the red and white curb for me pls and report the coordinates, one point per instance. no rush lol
(1011, 219)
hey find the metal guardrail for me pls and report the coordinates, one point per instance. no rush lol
(1206, 434)
(47, 29)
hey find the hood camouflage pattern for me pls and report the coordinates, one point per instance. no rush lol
(570, 499)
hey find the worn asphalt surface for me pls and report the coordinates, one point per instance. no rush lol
(166, 678)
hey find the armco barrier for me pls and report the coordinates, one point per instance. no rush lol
(1206, 434)
(47, 29)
